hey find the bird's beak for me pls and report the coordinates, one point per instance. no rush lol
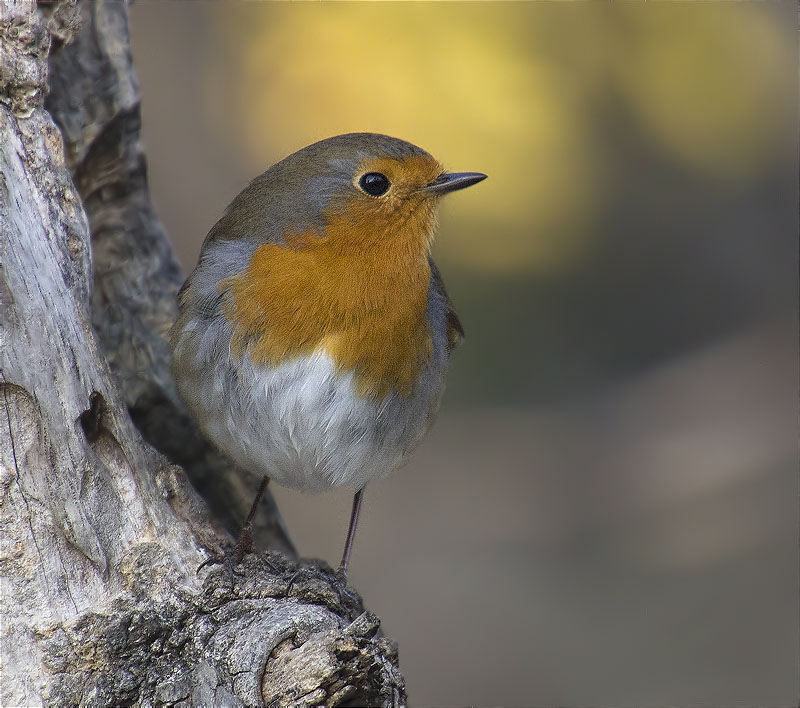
(451, 181)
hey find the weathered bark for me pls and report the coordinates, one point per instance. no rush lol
(100, 534)
(94, 99)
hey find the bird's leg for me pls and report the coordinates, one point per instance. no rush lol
(244, 543)
(351, 533)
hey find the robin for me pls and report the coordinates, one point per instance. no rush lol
(314, 334)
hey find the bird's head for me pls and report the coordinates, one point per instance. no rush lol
(358, 190)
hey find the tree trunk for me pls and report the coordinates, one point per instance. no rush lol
(101, 533)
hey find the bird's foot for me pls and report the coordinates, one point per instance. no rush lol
(232, 556)
(318, 583)
(339, 579)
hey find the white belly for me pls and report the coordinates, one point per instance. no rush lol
(301, 423)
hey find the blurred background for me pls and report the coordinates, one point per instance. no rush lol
(607, 510)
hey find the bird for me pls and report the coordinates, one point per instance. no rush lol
(314, 335)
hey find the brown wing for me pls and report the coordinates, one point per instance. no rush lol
(455, 331)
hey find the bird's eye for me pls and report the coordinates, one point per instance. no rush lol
(374, 183)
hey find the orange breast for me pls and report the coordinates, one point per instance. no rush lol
(358, 293)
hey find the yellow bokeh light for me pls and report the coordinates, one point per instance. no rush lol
(511, 90)
(452, 83)
(701, 86)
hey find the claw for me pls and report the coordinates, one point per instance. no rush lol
(291, 582)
